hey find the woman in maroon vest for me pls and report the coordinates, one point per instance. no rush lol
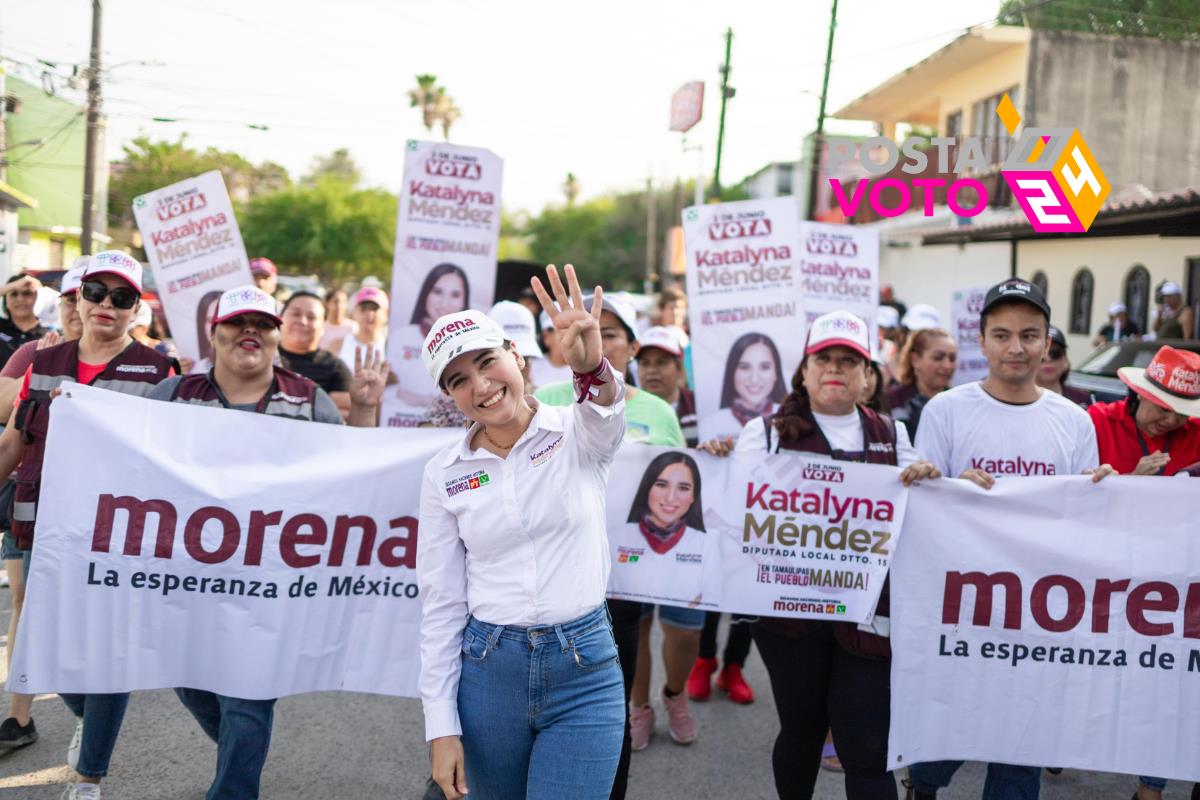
(105, 356)
(245, 336)
(831, 675)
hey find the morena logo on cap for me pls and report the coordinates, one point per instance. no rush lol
(450, 329)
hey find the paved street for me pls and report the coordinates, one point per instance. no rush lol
(358, 747)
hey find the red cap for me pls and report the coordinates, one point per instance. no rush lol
(1171, 380)
(263, 266)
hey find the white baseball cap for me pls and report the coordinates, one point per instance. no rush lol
(1116, 307)
(245, 300)
(920, 316)
(621, 309)
(1171, 287)
(544, 319)
(114, 262)
(887, 317)
(839, 329)
(72, 279)
(455, 334)
(517, 322)
(667, 338)
(144, 316)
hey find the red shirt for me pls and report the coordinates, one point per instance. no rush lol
(1117, 439)
(86, 374)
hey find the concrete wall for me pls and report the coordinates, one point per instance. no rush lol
(1134, 99)
(1109, 258)
(932, 273)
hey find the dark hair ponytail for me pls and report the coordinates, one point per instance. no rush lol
(793, 419)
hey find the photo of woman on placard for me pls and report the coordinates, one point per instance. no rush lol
(659, 554)
(753, 386)
(204, 315)
(445, 290)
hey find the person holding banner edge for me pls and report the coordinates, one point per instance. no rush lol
(1005, 424)
(513, 576)
(245, 338)
(104, 356)
(830, 675)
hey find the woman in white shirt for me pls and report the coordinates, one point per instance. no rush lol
(666, 526)
(824, 674)
(520, 681)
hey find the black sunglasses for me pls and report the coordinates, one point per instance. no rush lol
(1057, 352)
(123, 297)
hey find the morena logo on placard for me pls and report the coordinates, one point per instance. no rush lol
(1051, 172)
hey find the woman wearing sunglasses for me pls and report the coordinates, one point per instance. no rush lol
(1056, 368)
(107, 357)
(21, 324)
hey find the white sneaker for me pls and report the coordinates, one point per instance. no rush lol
(81, 791)
(73, 752)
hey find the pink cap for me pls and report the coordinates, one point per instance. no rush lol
(370, 294)
(245, 300)
(114, 262)
(263, 266)
(839, 329)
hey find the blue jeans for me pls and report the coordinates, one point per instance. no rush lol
(242, 731)
(1004, 781)
(542, 709)
(688, 619)
(102, 715)
(1153, 783)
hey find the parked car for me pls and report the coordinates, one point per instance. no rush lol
(1097, 373)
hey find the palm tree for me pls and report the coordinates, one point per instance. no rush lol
(570, 188)
(425, 97)
(446, 110)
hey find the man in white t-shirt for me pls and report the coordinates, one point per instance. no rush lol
(1005, 425)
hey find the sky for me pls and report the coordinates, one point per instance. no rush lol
(551, 87)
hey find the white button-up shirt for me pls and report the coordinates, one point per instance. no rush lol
(513, 541)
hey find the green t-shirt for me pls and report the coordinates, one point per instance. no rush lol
(648, 419)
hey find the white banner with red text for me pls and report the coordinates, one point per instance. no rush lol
(445, 260)
(253, 556)
(965, 305)
(780, 535)
(1049, 621)
(195, 251)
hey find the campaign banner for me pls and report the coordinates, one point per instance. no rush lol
(445, 260)
(745, 310)
(965, 305)
(244, 554)
(770, 535)
(195, 251)
(1049, 621)
(839, 271)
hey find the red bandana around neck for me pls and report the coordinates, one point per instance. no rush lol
(661, 539)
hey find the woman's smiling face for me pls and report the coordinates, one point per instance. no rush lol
(671, 496)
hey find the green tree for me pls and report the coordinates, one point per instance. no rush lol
(425, 97)
(147, 165)
(329, 228)
(338, 166)
(605, 238)
(1161, 19)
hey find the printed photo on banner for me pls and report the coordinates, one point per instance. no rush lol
(744, 307)
(445, 260)
(195, 252)
(658, 539)
(290, 568)
(965, 305)
(1051, 609)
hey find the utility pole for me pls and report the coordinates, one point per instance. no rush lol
(93, 135)
(814, 166)
(727, 92)
(651, 238)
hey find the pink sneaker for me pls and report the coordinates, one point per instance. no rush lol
(641, 726)
(679, 718)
